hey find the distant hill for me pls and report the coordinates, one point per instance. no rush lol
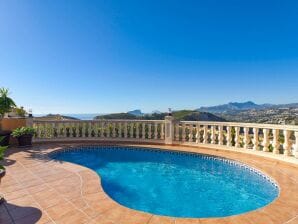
(249, 105)
(136, 112)
(256, 113)
(184, 115)
(231, 106)
(57, 117)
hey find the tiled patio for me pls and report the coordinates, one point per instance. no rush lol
(39, 190)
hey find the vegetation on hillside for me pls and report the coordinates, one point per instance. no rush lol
(184, 115)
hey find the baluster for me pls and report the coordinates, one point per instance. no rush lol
(213, 135)
(296, 144)
(287, 145)
(190, 134)
(183, 132)
(77, 125)
(37, 126)
(276, 143)
(162, 132)
(266, 141)
(220, 135)
(90, 127)
(102, 128)
(237, 137)
(119, 130)
(83, 128)
(229, 136)
(155, 131)
(125, 130)
(108, 129)
(177, 132)
(205, 135)
(246, 138)
(114, 130)
(149, 131)
(58, 125)
(137, 130)
(131, 125)
(53, 128)
(143, 130)
(256, 139)
(198, 134)
(64, 128)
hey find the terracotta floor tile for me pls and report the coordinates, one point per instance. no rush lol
(159, 219)
(187, 221)
(59, 210)
(73, 216)
(16, 194)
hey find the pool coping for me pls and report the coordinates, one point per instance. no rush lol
(284, 209)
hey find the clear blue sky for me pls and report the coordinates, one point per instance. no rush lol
(110, 56)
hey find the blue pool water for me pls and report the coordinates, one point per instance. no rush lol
(175, 184)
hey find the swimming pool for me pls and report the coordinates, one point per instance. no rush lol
(175, 184)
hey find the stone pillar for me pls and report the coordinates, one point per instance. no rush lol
(169, 130)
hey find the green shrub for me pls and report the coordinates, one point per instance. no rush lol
(23, 131)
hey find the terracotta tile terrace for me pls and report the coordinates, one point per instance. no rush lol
(40, 190)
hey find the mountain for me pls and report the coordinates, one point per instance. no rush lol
(156, 112)
(249, 105)
(184, 115)
(230, 107)
(136, 112)
(57, 117)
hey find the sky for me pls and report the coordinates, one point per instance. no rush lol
(96, 56)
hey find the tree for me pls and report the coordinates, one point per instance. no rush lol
(6, 103)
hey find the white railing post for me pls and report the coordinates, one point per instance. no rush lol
(205, 135)
(198, 133)
(246, 139)
(155, 131)
(220, 135)
(287, 145)
(169, 130)
(143, 130)
(177, 132)
(256, 139)
(213, 135)
(266, 140)
(183, 133)
(229, 136)
(190, 134)
(276, 143)
(237, 137)
(137, 130)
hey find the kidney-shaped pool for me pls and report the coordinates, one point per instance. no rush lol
(175, 184)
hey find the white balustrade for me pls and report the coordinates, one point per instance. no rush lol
(274, 139)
